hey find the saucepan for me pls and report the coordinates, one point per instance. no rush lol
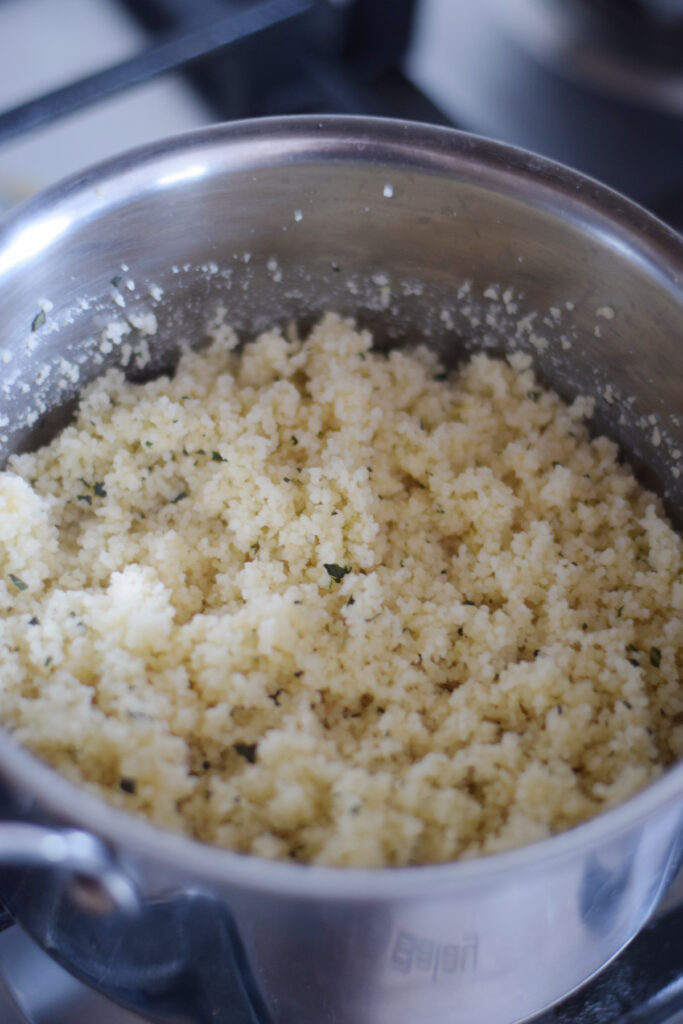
(418, 233)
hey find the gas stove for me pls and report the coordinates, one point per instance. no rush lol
(593, 83)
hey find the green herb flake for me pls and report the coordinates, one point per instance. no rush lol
(99, 490)
(148, 444)
(200, 451)
(18, 583)
(441, 376)
(84, 482)
(556, 463)
(246, 750)
(337, 572)
(217, 457)
(295, 439)
(620, 610)
(534, 395)
(85, 497)
(116, 280)
(38, 320)
(470, 603)
(178, 497)
(128, 786)
(655, 657)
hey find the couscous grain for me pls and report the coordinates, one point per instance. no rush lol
(309, 601)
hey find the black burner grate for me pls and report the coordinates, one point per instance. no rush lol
(260, 57)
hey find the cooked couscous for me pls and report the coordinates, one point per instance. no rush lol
(310, 601)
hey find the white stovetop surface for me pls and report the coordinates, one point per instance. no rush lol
(47, 43)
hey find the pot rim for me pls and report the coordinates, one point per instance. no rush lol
(376, 142)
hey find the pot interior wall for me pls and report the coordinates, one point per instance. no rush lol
(456, 256)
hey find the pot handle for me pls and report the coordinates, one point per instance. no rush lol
(98, 884)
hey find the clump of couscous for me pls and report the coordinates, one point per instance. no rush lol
(313, 602)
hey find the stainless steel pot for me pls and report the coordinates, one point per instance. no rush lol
(386, 221)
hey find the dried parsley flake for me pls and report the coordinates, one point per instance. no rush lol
(38, 320)
(246, 750)
(337, 572)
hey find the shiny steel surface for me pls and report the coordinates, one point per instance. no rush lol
(79, 854)
(36, 990)
(279, 220)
